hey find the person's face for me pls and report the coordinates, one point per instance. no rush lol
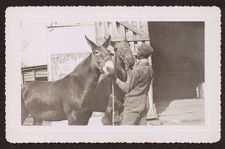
(138, 54)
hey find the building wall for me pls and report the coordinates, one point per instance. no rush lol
(33, 43)
(38, 73)
(43, 39)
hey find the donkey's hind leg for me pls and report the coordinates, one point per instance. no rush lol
(24, 112)
(37, 121)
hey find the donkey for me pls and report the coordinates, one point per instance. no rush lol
(69, 97)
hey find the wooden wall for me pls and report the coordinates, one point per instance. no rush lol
(134, 31)
(34, 73)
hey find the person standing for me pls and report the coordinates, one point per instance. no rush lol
(136, 104)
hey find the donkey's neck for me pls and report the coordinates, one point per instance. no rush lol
(120, 68)
(86, 71)
(87, 65)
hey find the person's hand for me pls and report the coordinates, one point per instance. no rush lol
(113, 77)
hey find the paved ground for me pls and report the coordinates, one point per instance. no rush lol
(176, 112)
(181, 112)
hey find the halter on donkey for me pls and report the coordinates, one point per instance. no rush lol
(69, 97)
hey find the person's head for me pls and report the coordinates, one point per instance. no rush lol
(144, 51)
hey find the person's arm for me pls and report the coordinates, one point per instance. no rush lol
(130, 83)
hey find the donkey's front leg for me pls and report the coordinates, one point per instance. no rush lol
(79, 117)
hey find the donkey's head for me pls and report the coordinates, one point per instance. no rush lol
(102, 56)
(123, 51)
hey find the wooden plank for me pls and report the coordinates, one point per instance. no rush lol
(41, 73)
(29, 76)
(146, 27)
(121, 30)
(134, 24)
(27, 69)
(139, 43)
(147, 42)
(106, 29)
(138, 25)
(129, 32)
(141, 24)
(110, 31)
(135, 46)
(97, 30)
(126, 32)
(114, 30)
(127, 25)
(132, 48)
(34, 73)
(138, 28)
(102, 29)
(129, 39)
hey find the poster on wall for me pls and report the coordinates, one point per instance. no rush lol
(63, 64)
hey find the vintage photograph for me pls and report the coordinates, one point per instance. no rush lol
(157, 74)
(115, 73)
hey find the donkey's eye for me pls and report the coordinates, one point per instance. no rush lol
(97, 53)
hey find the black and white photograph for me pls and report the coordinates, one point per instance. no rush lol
(176, 85)
(112, 74)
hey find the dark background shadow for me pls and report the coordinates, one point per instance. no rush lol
(178, 60)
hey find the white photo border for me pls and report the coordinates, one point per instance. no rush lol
(208, 133)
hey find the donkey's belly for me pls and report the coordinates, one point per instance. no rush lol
(45, 111)
(51, 115)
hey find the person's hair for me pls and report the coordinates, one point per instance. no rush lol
(146, 50)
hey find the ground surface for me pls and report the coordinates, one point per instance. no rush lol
(174, 112)
(181, 112)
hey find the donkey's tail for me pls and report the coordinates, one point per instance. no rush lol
(24, 112)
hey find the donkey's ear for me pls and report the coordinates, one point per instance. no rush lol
(106, 43)
(90, 43)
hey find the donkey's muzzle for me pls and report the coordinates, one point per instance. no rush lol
(108, 68)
